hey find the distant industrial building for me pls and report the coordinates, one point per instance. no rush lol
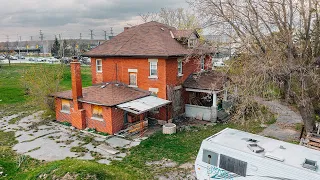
(44, 47)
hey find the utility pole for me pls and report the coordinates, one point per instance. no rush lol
(111, 31)
(31, 38)
(7, 44)
(19, 46)
(41, 38)
(105, 35)
(80, 36)
(91, 33)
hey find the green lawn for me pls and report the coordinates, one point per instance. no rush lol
(11, 87)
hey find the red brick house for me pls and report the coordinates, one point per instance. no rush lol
(144, 60)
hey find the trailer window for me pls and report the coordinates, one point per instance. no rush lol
(233, 165)
(210, 157)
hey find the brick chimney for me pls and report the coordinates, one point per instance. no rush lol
(126, 28)
(76, 79)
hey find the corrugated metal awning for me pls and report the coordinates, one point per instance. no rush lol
(143, 105)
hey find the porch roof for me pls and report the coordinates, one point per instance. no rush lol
(207, 80)
(143, 105)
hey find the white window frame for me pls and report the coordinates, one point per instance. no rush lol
(202, 65)
(136, 84)
(152, 63)
(180, 69)
(192, 43)
(97, 66)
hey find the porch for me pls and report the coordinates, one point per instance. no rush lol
(139, 114)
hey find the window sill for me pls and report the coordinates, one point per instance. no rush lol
(180, 75)
(153, 77)
(97, 119)
(133, 86)
(99, 71)
(65, 111)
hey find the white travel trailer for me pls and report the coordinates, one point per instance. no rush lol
(234, 154)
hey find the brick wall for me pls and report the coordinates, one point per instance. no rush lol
(61, 116)
(113, 118)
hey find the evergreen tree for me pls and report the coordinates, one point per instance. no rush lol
(55, 48)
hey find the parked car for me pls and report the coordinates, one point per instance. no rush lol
(218, 64)
(65, 60)
(21, 57)
(53, 59)
(31, 59)
(13, 58)
(85, 60)
(2, 57)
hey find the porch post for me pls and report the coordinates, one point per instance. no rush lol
(214, 99)
(141, 125)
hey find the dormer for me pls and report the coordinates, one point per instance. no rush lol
(188, 38)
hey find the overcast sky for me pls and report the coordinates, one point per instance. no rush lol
(71, 17)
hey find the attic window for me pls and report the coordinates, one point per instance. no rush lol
(192, 43)
(310, 164)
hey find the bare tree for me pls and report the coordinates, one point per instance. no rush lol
(274, 42)
(178, 18)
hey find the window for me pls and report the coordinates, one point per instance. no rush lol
(180, 67)
(192, 42)
(154, 91)
(97, 112)
(153, 68)
(233, 165)
(65, 105)
(202, 63)
(133, 79)
(99, 65)
(210, 157)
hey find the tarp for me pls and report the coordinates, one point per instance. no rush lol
(143, 105)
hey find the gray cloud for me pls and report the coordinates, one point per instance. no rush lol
(54, 15)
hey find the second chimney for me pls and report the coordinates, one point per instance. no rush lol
(76, 79)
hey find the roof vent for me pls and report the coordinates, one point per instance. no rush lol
(274, 157)
(162, 29)
(310, 164)
(255, 148)
(103, 86)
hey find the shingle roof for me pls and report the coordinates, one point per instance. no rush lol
(183, 33)
(148, 39)
(110, 95)
(208, 80)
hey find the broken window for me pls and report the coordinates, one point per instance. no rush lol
(65, 105)
(99, 65)
(97, 112)
(210, 157)
(133, 79)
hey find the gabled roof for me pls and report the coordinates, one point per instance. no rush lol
(207, 80)
(150, 39)
(109, 94)
(185, 33)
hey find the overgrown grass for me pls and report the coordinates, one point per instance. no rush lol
(12, 90)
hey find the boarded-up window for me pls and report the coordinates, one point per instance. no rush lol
(133, 79)
(233, 165)
(210, 157)
(65, 105)
(97, 111)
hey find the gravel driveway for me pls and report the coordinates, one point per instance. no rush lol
(284, 128)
